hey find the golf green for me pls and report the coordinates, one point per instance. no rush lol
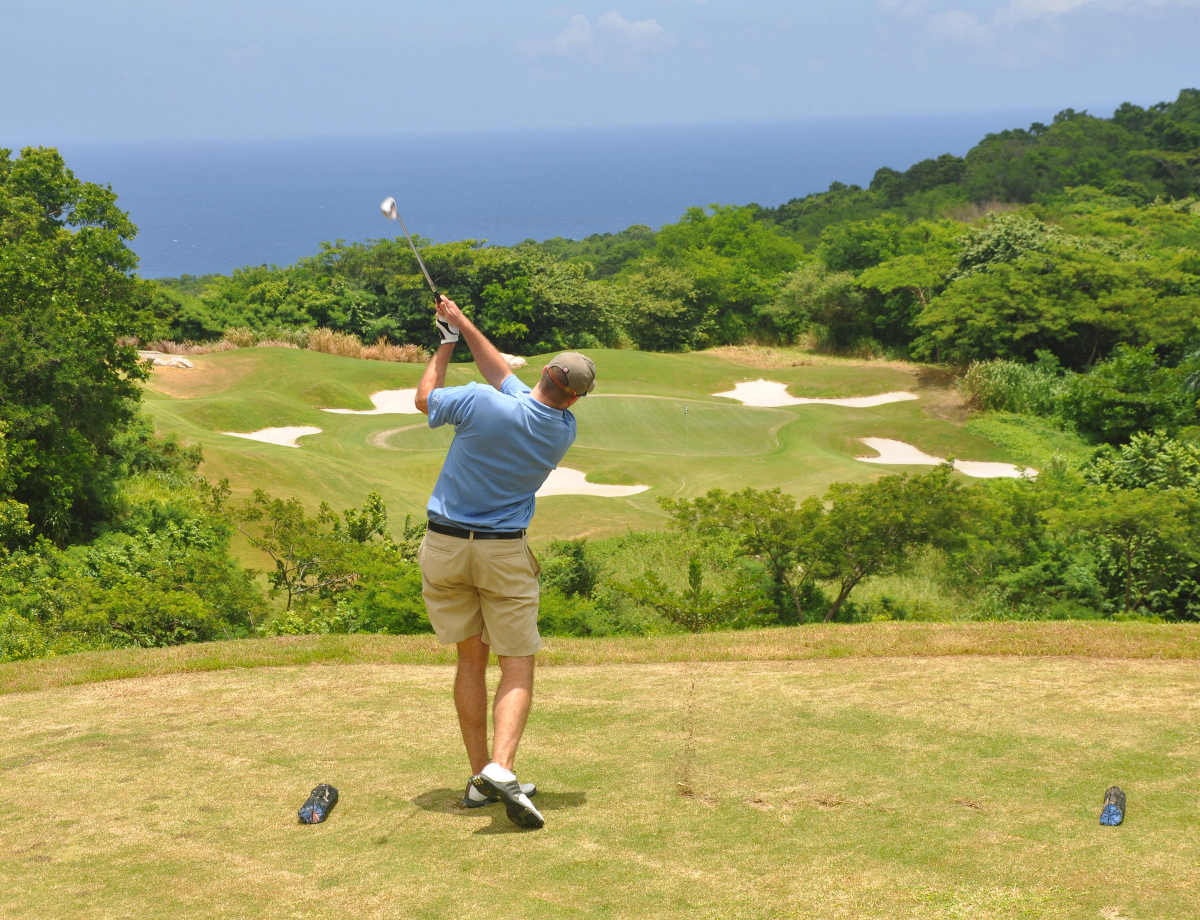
(632, 430)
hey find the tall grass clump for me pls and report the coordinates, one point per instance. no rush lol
(329, 342)
(326, 341)
(1026, 389)
(190, 348)
(383, 350)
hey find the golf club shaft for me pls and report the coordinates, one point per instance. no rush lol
(424, 271)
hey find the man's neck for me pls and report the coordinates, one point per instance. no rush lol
(537, 394)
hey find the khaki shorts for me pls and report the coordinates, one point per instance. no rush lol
(485, 588)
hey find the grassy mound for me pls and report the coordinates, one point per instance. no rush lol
(624, 436)
(890, 771)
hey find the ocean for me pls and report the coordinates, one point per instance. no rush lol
(214, 206)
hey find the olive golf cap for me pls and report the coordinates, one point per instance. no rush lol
(573, 372)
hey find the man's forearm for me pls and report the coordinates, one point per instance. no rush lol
(487, 357)
(434, 377)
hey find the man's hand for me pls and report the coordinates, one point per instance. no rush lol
(487, 358)
(447, 330)
(450, 313)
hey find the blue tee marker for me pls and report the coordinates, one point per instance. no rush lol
(320, 802)
(1114, 807)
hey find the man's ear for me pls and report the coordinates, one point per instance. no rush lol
(573, 400)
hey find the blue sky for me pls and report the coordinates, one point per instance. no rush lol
(172, 69)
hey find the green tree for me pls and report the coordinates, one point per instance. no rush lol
(696, 608)
(662, 310)
(571, 569)
(873, 529)
(768, 527)
(1127, 394)
(68, 386)
(1148, 461)
(1147, 541)
(813, 300)
(307, 558)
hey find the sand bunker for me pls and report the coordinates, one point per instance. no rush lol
(285, 437)
(897, 453)
(769, 394)
(387, 402)
(566, 481)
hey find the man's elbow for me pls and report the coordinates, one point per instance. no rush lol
(421, 401)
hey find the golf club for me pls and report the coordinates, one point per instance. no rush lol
(388, 207)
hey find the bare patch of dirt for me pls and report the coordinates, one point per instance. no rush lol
(967, 803)
(775, 356)
(205, 379)
(939, 398)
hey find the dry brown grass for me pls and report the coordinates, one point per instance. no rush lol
(329, 342)
(191, 348)
(864, 640)
(899, 789)
(241, 337)
(326, 341)
(382, 350)
(779, 356)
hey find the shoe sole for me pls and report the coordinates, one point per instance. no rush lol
(519, 814)
(468, 802)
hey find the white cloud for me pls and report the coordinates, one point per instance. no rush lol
(959, 26)
(1024, 10)
(612, 31)
(645, 33)
(901, 7)
(576, 36)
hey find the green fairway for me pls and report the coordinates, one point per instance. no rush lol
(631, 431)
(960, 786)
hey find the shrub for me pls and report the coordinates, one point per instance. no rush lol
(241, 337)
(570, 569)
(1127, 394)
(1013, 386)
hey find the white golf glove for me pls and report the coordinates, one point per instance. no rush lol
(446, 330)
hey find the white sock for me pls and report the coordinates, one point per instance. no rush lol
(475, 795)
(497, 773)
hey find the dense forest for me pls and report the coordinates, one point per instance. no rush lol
(1055, 269)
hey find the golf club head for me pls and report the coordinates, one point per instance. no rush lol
(388, 207)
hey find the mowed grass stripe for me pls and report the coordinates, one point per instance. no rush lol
(866, 640)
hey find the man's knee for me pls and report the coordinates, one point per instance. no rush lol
(473, 652)
(516, 666)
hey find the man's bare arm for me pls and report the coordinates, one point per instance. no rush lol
(487, 358)
(434, 377)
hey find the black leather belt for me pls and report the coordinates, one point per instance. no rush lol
(479, 534)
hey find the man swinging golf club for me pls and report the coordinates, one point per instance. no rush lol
(479, 577)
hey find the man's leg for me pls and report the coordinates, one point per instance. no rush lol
(470, 699)
(511, 708)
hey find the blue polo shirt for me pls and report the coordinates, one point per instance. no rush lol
(505, 445)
